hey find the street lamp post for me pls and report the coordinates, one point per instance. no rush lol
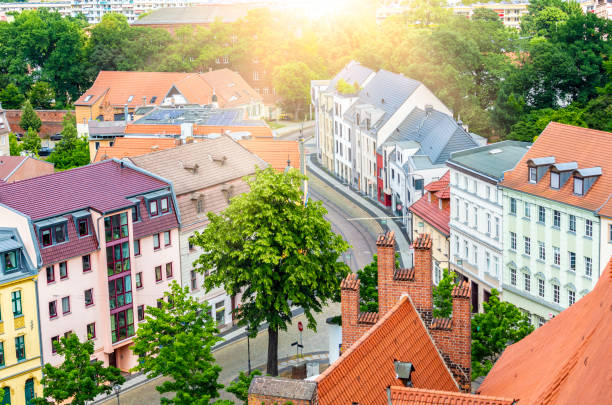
(117, 389)
(248, 331)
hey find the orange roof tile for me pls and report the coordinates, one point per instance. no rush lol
(440, 184)
(117, 86)
(566, 361)
(129, 147)
(366, 369)
(560, 140)
(430, 210)
(415, 396)
(275, 152)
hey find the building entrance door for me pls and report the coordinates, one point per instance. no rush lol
(112, 359)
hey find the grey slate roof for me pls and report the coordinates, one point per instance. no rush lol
(351, 73)
(387, 91)
(283, 388)
(491, 160)
(438, 134)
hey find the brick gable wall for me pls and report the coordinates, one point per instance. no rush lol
(451, 336)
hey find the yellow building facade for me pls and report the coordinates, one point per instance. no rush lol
(20, 355)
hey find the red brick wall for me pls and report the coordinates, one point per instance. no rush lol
(352, 330)
(51, 121)
(456, 343)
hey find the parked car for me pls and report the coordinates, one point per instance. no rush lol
(56, 137)
(45, 151)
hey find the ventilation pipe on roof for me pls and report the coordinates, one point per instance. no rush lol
(144, 101)
(428, 109)
(215, 100)
(403, 372)
(126, 115)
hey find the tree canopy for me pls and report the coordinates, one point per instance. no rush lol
(443, 295)
(176, 342)
(71, 151)
(29, 118)
(78, 379)
(500, 325)
(276, 251)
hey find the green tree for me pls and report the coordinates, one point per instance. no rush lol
(71, 151)
(41, 95)
(443, 295)
(176, 341)
(292, 84)
(500, 325)
(11, 97)
(29, 118)
(532, 124)
(31, 142)
(78, 379)
(275, 250)
(14, 146)
(240, 386)
(368, 286)
(486, 14)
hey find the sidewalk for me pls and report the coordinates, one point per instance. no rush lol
(404, 247)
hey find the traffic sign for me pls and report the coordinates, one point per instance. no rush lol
(300, 326)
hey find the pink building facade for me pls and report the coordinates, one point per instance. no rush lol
(108, 239)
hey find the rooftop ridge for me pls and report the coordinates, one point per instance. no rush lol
(401, 393)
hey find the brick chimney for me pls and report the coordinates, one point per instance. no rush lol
(453, 337)
(352, 328)
(385, 250)
(421, 293)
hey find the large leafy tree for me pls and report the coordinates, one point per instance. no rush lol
(240, 386)
(41, 95)
(11, 97)
(500, 325)
(292, 84)
(78, 378)
(31, 142)
(276, 251)
(176, 342)
(71, 151)
(443, 295)
(29, 118)
(14, 146)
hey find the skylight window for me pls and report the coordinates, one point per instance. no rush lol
(87, 98)
(130, 98)
(153, 99)
(495, 151)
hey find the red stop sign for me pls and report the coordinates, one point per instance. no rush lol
(300, 326)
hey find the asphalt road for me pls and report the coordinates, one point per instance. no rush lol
(360, 234)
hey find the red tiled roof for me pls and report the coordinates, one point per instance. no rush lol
(366, 369)
(76, 246)
(197, 88)
(440, 184)
(567, 360)
(128, 147)
(430, 212)
(560, 140)
(8, 164)
(274, 152)
(103, 186)
(416, 396)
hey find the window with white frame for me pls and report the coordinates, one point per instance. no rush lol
(475, 258)
(488, 192)
(488, 261)
(513, 240)
(497, 225)
(488, 223)
(466, 250)
(513, 205)
(527, 280)
(513, 276)
(437, 272)
(476, 217)
(572, 223)
(467, 212)
(541, 214)
(532, 175)
(572, 261)
(557, 219)
(495, 265)
(541, 250)
(588, 228)
(541, 288)
(556, 293)
(527, 245)
(571, 297)
(556, 256)
(588, 267)
(527, 210)
(554, 180)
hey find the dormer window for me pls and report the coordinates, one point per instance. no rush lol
(578, 186)
(533, 176)
(136, 213)
(163, 203)
(83, 227)
(10, 260)
(554, 180)
(585, 178)
(52, 232)
(153, 208)
(537, 168)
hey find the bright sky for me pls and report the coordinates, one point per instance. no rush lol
(319, 8)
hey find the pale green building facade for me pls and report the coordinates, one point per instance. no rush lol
(551, 254)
